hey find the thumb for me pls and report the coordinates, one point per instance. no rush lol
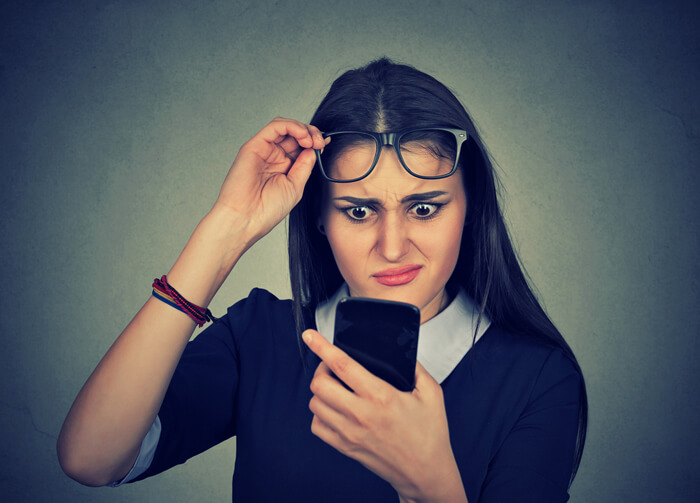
(423, 377)
(300, 171)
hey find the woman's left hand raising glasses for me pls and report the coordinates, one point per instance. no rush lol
(267, 177)
(402, 437)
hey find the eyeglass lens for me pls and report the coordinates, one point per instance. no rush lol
(426, 153)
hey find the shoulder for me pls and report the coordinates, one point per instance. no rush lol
(509, 346)
(259, 296)
(259, 306)
(527, 362)
(261, 312)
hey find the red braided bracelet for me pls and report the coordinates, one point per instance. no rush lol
(166, 293)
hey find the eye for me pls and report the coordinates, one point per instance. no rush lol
(358, 213)
(424, 210)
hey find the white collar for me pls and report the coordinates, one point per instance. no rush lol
(443, 340)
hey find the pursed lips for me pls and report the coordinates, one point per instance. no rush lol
(397, 276)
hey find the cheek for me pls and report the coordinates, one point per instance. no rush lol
(448, 245)
(444, 241)
(348, 247)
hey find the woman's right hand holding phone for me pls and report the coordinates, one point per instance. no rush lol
(268, 176)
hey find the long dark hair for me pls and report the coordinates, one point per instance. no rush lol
(384, 96)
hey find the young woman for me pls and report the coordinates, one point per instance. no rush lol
(396, 199)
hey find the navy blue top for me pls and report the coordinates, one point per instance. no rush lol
(512, 408)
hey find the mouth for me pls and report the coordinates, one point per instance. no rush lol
(397, 276)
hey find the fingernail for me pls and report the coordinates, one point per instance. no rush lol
(307, 337)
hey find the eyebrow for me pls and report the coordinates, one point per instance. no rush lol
(423, 196)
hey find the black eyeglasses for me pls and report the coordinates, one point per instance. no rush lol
(428, 153)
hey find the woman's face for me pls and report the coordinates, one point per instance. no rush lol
(395, 236)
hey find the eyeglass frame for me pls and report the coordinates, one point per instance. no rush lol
(393, 139)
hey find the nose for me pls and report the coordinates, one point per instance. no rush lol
(393, 242)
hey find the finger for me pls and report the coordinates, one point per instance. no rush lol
(300, 171)
(325, 433)
(345, 368)
(279, 128)
(344, 444)
(328, 388)
(322, 370)
(328, 415)
(315, 131)
(290, 146)
(319, 140)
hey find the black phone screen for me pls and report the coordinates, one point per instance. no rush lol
(382, 336)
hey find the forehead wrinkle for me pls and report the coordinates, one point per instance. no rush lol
(389, 191)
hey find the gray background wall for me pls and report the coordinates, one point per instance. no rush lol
(120, 119)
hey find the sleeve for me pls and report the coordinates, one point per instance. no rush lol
(535, 461)
(145, 457)
(198, 407)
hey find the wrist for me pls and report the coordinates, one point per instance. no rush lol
(229, 231)
(444, 486)
(210, 254)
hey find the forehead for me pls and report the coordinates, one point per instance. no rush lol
(389, 177)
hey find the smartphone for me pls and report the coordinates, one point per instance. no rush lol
(382, 336)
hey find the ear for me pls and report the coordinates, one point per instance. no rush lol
(320, 227)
